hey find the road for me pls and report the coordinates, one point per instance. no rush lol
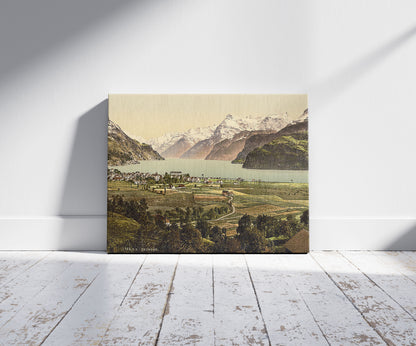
(232, 206)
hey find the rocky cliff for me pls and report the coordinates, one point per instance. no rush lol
(123, 150)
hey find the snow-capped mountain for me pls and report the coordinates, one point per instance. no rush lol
(231, 126)
(257, 140)
(198, 143)
(175, 144)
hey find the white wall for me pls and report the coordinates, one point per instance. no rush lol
(59, 60)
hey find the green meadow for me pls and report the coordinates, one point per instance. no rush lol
(214, 213)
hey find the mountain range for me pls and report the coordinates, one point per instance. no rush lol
(221, 142)
(260, 139)
(286, 149)
(176, 144)
(123, 150)
(271, 142)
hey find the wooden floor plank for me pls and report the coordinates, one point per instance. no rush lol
(90, 317)
(338, 319)
(77, 299)
(15, 294)
(189, 318)
(410, 254)
(287, 317)
(387, 276)
(139, 318)
(14, 263)
(33, 323)
(238, 320)
(402, 261)
(391, 322)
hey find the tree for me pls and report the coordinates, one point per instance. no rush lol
(251, 239)
(305, 217)
(232, 246)
(188, 214)
(203, 227)
(215, 234)
(266, 225)
(160, 221)
(131, 210)
(172, 239)
(150, 181)
(191, 239)
(294, 224)
(143, 217)
(219, 237)
(245, 224)
(167, 179)
(283, 228)
(210, 214)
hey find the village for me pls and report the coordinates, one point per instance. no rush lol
(174, 179)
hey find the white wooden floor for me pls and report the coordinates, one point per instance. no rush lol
(336, 298)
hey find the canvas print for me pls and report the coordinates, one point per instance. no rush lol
(208, 174)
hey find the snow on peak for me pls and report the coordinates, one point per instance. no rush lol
(192, 135)
(137, 138)
(226, 129)
(230, 126)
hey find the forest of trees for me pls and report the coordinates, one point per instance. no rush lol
(188, 230)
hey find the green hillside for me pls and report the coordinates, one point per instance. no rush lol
(285, 152)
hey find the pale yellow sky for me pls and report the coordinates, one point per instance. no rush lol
(148, 116)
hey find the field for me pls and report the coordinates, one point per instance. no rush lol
(183, 214)
(252, 198)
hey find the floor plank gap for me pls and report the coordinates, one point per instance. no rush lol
(124, 297)
(66, 313)
(389, 320)
(350, 300)
(90, 318)
(167, 301)
(26, 267)
(313, 316)
(134, 279)
(377, 285)
(257, 300)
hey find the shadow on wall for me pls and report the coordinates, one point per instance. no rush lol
(25, 27)
(407, 242)
(83, 204)
(342, 80)
(86, 181)
(322, 93)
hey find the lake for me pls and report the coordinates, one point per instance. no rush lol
(215, 168)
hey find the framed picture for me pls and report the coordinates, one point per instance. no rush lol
(207, 174)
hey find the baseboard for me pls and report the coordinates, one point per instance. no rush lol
(363, 234)
(54, 233)
(89, 233)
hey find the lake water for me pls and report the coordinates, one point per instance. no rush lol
(215, 168)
